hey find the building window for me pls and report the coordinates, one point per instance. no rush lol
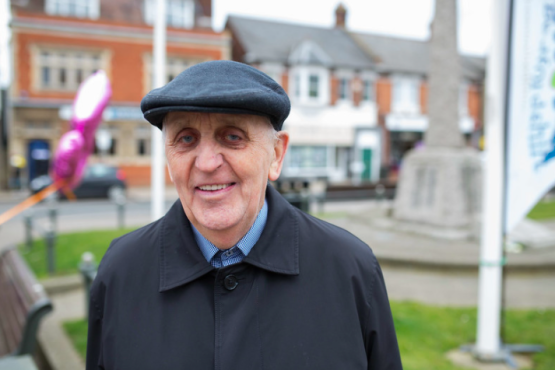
(174, 66)
(179, 13)
(73, 8)
(142, 136)
(141, 147)
(310, 85)
(313, 86)
(344, 89)
(308, 156)
(297, 85)
(367, 90)
(111, 150)
(276, 76)
(62, 77)
(406, 97)
(45, 80)
(65, 70)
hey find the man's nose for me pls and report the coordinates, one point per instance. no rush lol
(209, 157)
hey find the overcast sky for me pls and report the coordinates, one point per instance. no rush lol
(406, 18)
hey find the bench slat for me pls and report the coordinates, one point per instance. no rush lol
(10, 322)
(23, 303)
(25, 281)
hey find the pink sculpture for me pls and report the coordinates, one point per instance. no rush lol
(77, 144)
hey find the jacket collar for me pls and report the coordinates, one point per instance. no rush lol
(277, 250)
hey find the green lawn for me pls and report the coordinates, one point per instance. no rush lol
(543, 210)
(68, 250)
(77, 331)
(426, 333)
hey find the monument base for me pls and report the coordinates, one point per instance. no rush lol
(439, 192)
(419, 228)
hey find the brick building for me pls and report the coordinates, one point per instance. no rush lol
(359, 100)
(58, 43)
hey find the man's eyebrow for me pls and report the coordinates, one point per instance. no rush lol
(180, 123)
(238, 120)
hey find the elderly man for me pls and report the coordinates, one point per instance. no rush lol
(233, 277)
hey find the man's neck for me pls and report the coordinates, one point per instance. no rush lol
(224, 239)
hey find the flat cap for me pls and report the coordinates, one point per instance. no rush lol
(220, 86)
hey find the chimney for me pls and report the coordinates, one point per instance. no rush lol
(340, 16)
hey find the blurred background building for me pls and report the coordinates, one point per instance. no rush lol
(58, 43)
(359, 100)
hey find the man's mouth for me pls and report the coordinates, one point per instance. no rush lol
(214, 187)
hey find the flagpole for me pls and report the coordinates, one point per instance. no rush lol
(488, 343)
(158, 173)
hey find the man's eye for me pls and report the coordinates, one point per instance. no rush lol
(187, 139)
(232, 137)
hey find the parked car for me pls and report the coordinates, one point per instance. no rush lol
(99, 181)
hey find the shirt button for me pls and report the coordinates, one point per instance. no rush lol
(230, 282)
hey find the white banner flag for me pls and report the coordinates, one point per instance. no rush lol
(531, 108)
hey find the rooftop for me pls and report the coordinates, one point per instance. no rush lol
(270, 41)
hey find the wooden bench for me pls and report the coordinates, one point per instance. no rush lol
(23, 303)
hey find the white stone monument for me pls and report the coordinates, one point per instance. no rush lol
(439, 187)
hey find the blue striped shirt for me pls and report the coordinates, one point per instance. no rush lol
(221, 258)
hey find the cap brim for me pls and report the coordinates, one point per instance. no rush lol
(156, 115)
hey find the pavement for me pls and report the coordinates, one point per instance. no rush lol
(415, 267)
(444, 272)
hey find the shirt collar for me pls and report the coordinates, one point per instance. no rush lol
(245, 244)
(181, 261)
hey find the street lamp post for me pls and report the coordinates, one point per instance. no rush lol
(158, 175)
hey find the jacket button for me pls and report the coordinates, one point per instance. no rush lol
(230, 282)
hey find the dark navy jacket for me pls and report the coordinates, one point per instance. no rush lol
(308, 296)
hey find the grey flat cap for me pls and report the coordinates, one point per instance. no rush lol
(220, 86)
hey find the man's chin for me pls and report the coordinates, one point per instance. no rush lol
(218, 222)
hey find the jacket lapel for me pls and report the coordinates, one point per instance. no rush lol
(277, 250)
(181, 260)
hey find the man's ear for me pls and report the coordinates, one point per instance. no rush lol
(280, 147)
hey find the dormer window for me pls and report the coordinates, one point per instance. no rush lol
(310, 71)
(314, 86)
(309, 85)
(73, 8)
(179, 13)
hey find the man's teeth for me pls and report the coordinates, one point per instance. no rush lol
(213, 187)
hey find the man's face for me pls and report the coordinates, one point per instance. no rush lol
(220, 164)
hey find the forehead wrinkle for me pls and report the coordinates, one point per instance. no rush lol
(198, 120)
(180, 120)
